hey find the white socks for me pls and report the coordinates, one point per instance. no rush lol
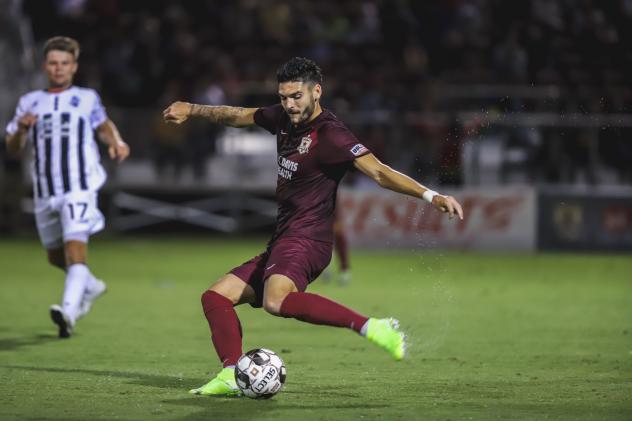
(364, 328)
(78, 278)
(92, 282)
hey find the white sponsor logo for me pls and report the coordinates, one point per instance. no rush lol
(271, 266)
(287, 168)
(358, 149)
(303, 148)
(283, 133)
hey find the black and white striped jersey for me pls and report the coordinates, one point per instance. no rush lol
(65, 153)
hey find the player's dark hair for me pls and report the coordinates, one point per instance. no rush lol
(299, 69)
(66, 44)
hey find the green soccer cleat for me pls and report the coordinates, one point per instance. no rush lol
(223, 384)
(386, 334)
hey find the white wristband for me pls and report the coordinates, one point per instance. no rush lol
(428, 195)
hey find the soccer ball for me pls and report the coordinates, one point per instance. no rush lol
(260, 373)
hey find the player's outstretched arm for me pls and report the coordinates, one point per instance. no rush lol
(109, 134)
(390, 179)
(15, 142)
(179, 112)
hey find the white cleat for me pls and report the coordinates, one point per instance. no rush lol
(90, 295)
(62, 320)
(344, 278)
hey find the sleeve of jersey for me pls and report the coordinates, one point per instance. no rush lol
(20, 110)
(340, 145)
(98, 115)
(268, 117)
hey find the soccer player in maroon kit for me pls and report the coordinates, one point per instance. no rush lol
(315, 150)
(341, 249)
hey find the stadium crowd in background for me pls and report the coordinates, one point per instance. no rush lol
(383, 55)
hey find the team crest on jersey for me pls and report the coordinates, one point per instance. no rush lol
(303, 148)
(74, 101)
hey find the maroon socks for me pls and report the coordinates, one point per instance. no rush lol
(311, 308)
(318, 310)
(225, 327)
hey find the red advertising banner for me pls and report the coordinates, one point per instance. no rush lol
(495, 219)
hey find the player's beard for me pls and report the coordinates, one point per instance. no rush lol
(309, 110)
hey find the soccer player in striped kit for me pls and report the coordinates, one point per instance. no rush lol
(314, 151)
(59, 123)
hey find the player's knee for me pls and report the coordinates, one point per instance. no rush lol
(221, 293)
(227, 290)
(76, 252)
(272, 305)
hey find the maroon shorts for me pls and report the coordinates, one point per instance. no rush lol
(300, 259)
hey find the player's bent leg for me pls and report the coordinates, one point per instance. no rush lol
(308, 307)
(234, 289)
(315, 309)
(275, 291)
(226, 333)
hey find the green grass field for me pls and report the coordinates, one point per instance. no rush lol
(492, 337)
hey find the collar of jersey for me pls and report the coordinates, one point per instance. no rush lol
(302, 128)
(58, 92)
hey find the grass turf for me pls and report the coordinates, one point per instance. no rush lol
(492, 337)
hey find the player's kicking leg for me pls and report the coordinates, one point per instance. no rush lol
(226, 334)
(282, 298)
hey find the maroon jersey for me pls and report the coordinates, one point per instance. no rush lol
(312, 159)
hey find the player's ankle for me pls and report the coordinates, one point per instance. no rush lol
(364, 328)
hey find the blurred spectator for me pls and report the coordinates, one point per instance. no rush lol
(615, 148)
(391, 56)
(11, 191)
(450, 156)
(169, 149)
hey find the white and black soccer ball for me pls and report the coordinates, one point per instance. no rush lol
(260, 373)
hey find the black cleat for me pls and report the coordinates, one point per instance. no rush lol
(61, 319)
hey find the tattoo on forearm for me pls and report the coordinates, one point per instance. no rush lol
(221, 114)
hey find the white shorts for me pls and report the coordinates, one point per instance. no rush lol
(72, 216)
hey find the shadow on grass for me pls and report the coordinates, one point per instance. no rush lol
(11, 344)
(306, 399)
(141, 379)
(242, 408)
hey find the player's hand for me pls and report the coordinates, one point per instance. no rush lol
(178, 112)
(448, 204)
(119, 151)
(27, 121)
